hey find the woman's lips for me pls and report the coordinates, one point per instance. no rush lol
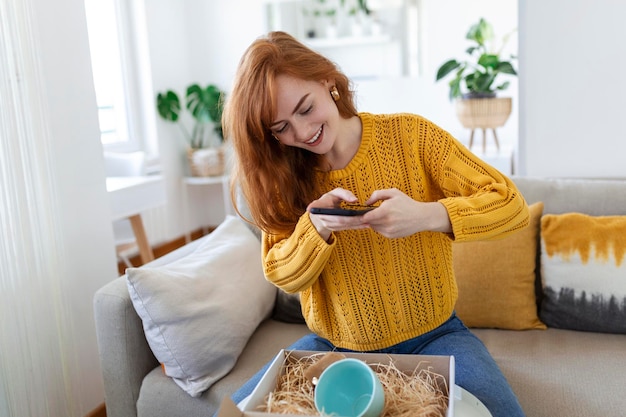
(315, 138)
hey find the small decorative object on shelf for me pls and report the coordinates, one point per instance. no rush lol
(473, 87)
(205, 151)
(206, 162)
(337, 18)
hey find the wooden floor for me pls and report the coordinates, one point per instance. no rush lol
(98, 412)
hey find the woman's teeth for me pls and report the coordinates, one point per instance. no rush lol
(315, 138)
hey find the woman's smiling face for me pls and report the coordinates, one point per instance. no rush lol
(306, 115)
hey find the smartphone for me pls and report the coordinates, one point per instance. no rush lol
(349, 210)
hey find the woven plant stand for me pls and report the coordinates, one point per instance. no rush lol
(484, 113)
(206, 162)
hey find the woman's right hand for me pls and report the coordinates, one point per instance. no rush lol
(325, 224)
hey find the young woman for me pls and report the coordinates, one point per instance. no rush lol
(381, 281)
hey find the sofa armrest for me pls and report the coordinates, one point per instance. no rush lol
(125, 356)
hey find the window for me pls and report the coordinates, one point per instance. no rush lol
(121, 72)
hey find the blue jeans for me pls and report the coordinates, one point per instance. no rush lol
(475, 369)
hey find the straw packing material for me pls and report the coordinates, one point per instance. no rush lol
(422, 393)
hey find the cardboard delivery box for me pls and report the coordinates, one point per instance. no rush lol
(442, 365)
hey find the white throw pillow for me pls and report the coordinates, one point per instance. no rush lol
(199, 311)
(583, 268)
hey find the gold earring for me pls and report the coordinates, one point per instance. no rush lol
(274, 136)
(334, 93)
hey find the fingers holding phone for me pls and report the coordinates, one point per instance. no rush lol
(338, 210)
(334, 219)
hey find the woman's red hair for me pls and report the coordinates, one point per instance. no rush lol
(277, 181)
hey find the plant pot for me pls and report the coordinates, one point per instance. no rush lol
(206, 162)
(484, 113)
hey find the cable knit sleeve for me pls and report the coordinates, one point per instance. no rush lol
(482, 202)
(293, 263)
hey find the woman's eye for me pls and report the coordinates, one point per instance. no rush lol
(282, 129)
(308, 110)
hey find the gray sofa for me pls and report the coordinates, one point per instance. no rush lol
(554, 372)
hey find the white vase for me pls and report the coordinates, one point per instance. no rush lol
(331, 31)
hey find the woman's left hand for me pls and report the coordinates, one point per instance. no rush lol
(326, 224)
(399, 215)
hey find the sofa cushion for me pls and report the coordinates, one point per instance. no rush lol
(583, 266)
(198, 312)
(496, 279)
(561, 373)
(596, 197)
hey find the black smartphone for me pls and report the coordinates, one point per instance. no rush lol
(350, 210)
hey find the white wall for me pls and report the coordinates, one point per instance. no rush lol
(222, 30)
(444, 38)
(572, 88)
(78, 171)
(169, 52)
(194, 41)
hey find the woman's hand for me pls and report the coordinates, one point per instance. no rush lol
(325, 223)
(399, 215)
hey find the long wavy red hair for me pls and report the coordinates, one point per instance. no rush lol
(277, 181)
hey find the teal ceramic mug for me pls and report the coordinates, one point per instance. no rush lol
(349, 388)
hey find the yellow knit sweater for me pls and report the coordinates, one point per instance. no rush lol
(363, 291)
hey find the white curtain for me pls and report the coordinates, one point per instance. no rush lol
(35, 371)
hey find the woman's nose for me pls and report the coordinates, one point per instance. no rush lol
(300, 131)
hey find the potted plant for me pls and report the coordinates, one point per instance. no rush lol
(205, 105)
(474, 87)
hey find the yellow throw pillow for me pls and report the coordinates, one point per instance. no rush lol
(496, 279)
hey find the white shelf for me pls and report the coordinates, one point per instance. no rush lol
(373, 50)
(206, 180)
(222, 181)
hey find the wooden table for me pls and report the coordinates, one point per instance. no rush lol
(129, 197)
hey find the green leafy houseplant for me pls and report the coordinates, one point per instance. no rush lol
(205, 106)
(476, 79)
